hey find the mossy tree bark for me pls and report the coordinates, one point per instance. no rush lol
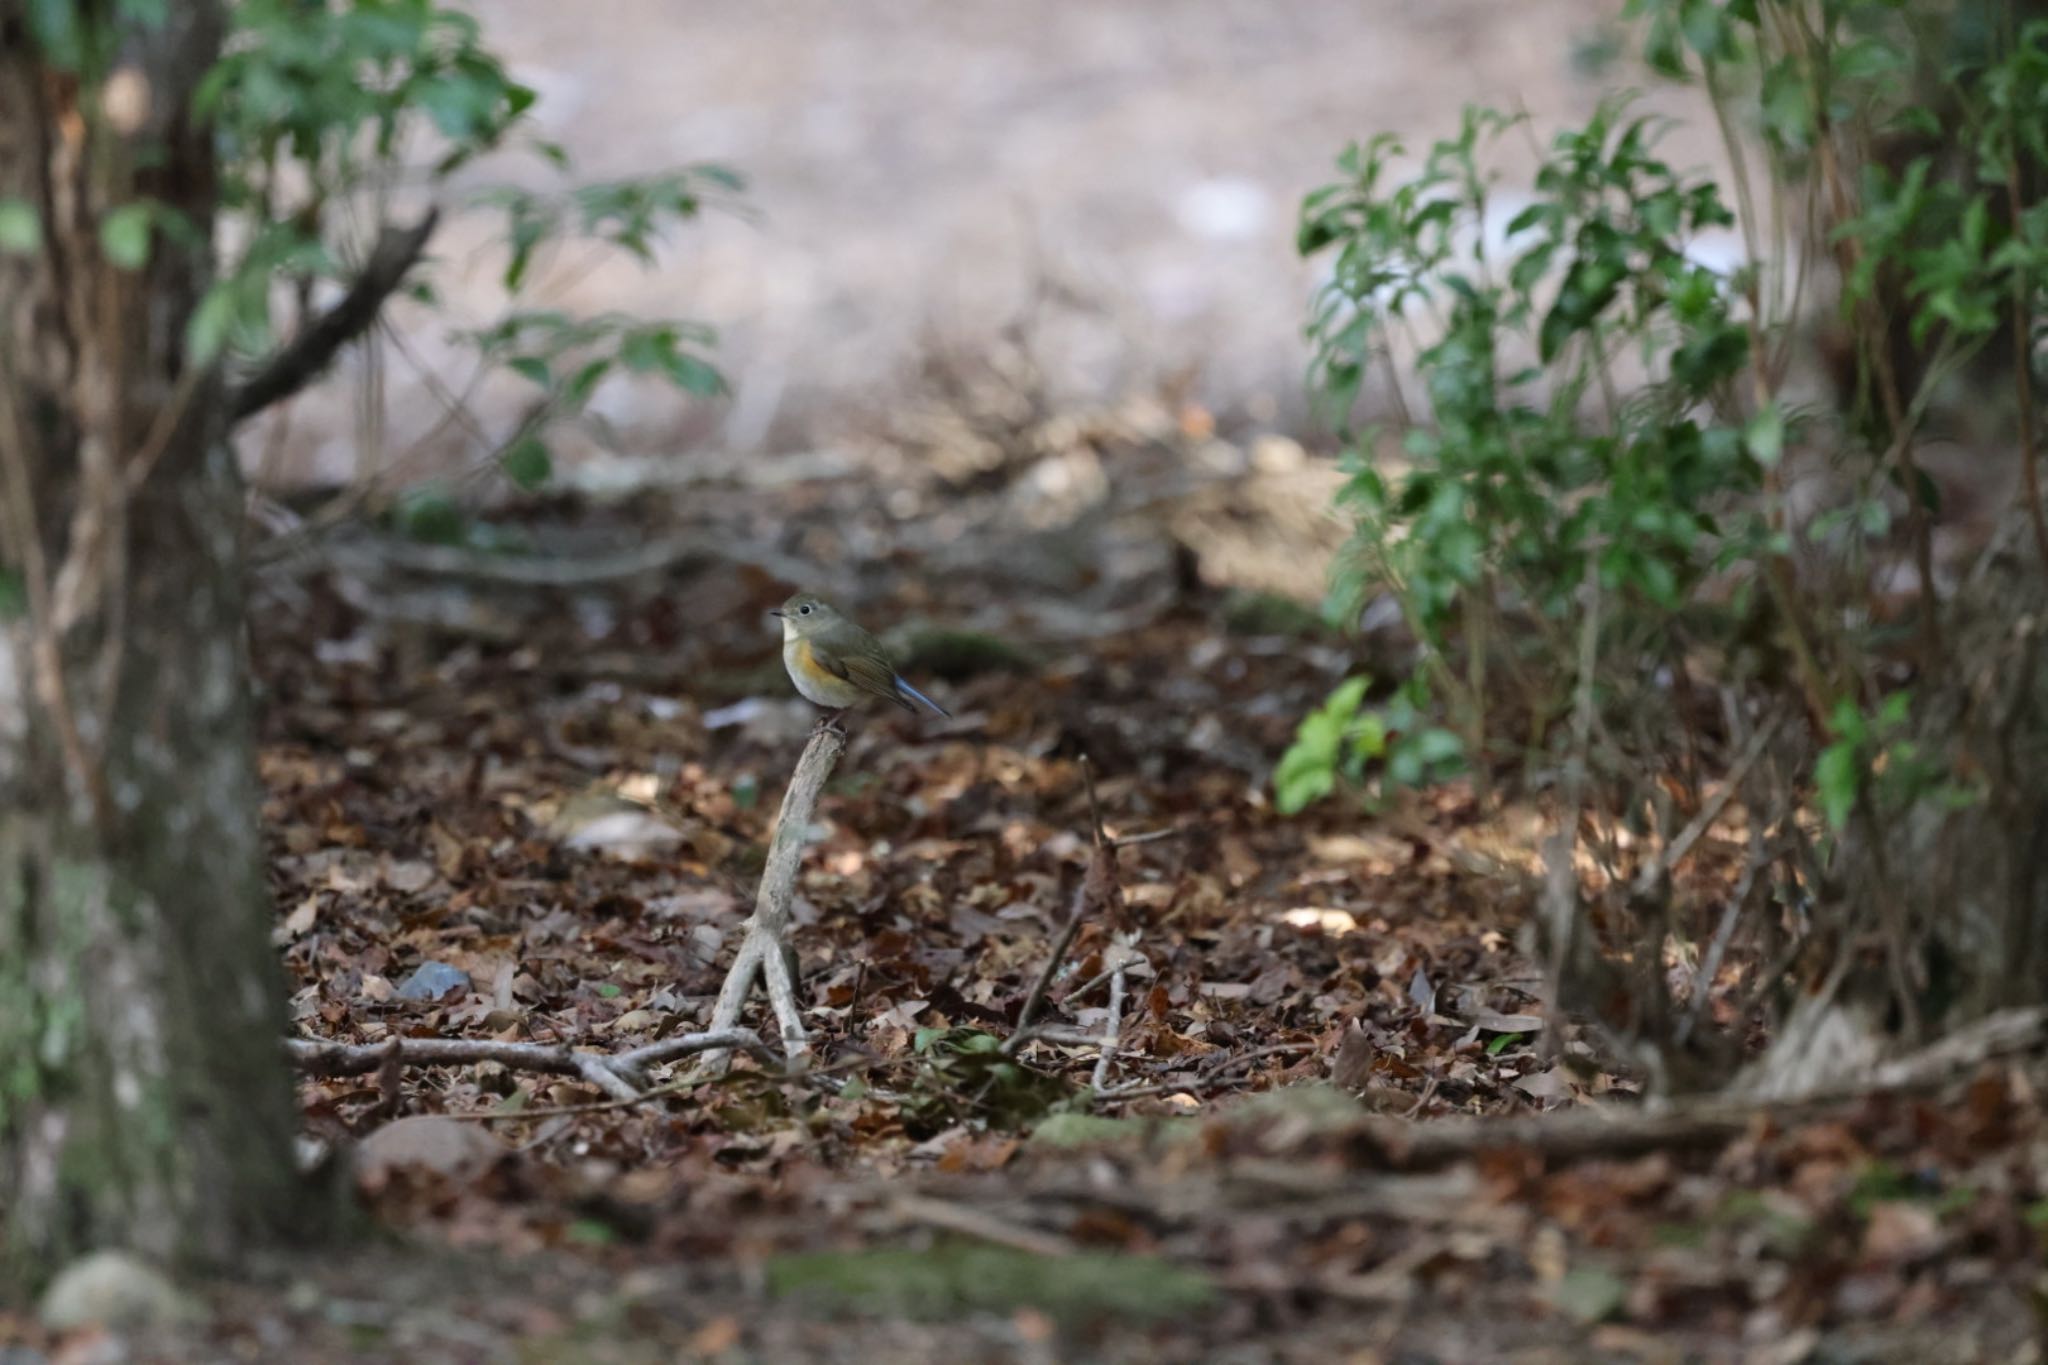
(144, 1098)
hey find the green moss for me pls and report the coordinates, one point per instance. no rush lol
(1315, 1106)
(1097, 1130)
(1268, 613)
(959, 654)
(954, 1279)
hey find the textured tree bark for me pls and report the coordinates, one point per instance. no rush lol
(144, 1100)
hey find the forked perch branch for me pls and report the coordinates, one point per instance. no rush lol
(761, 951)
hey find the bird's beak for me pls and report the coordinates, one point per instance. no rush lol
(775, 611)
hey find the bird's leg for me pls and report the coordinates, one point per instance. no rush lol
(829, 722)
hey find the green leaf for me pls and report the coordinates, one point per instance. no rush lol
(124, 234)
(21, 230)
(1765, 435)
(532, 367)
(1589, 1295)
(527, 463)
(206, 332)
(55, 26)
(1503, 1043)
(1838, 776)
(692, 375)
(608, 991)
(430, 515)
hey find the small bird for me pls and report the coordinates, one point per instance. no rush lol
(835, 663)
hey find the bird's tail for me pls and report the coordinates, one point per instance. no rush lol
(907, 690)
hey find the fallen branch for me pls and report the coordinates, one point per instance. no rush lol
(618, 1077)
(1705, 1124)
(314, 349)
(761, 951)
(667, 554)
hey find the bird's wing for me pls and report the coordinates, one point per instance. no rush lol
(870, 674)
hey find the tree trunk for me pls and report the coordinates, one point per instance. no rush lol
(144, 1098)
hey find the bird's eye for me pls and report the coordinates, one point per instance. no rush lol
(803, 611)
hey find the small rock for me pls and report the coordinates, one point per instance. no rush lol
(434, 981)
(426, 1142)
(634, 836)
(113, 1289)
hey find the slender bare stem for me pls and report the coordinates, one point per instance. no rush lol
(767, 930)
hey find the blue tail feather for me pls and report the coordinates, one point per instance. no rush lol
(907, 690)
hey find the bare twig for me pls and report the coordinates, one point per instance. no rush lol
(1098, 891)
(1036, 999)
(1674, 852)
(1724, 934)
(1148, 837)
(2023, 373)
(46, 648)
(767, 929)
(1113, 1031)
(1561, 908)
(300, 362)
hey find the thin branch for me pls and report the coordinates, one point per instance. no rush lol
(1674, 852)
(768, 927)
(1112, 1032)
(2023, 371)
(1036, 999)
(303, 359)
(1561, 909)
(1148, 837)
(46, 651)
(1724, 934)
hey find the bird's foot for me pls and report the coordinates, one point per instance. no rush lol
(828, 724)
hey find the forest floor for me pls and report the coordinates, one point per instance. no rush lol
(502, 811)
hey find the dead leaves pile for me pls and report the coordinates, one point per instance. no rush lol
(514, 842)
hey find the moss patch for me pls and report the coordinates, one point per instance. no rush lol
(1096, 1130)
(954, 1279)
(956, 655)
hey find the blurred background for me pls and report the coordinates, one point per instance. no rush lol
(1095, 203)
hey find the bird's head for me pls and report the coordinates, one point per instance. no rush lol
(804, 616)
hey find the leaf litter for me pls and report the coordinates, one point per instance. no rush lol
(556, 839)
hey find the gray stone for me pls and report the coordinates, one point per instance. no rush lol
(113, 1289)
(434, 981)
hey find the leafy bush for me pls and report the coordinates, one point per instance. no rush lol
(1534, 481)
(1583, 513)
(321, 111)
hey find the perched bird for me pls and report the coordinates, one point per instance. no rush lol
(835, 663)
